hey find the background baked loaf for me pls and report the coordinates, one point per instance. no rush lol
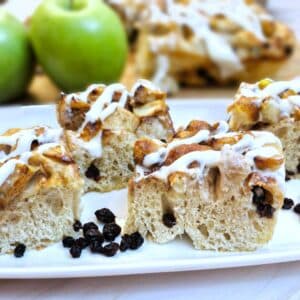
(102, 124)
(271, 106)
(222, 189)
(178, 42)
(40, 188)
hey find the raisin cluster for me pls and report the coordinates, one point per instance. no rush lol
(94, 239)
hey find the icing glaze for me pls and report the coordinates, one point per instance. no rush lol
(102, 108)
(21, 144)
(251, 145)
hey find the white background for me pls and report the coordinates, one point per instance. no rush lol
(281, 281)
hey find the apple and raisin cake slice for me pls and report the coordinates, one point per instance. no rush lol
(223, 189)
(271, 106)
(101, 125)
(40, 188)
(199, 42)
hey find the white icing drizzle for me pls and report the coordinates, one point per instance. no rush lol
(22, 141)
(196, 15)
(286, 106)
(101, 109)
(251, 145)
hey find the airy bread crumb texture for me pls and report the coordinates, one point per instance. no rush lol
(288, 131)
(38, 217)
(217, 212)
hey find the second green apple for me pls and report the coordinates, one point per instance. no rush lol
(78, 42)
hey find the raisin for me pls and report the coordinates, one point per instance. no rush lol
(75, 251)
(288, 50)
(258, 195)
(110, 249)
(125, 242)
(298, 168)
(169, 220)
(287, 178)
(111, 231)
(136, 241)
(105, 215)
(82, 243)
(19, 250)
(88, 226)
(34, 145)
(96, 246)
(287, 203)
(68, 241)
(265, 210)
(93, 173)
(77, 225)
(93, 234)
(297, 209)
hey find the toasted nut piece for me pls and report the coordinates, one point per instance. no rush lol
(245, 113)
(90, 130)
(144, 95)
(285, 94)
(296, 114)
(218, 144)
(151, 109)
(264, 83)
(181, 150)
(76, 104)
(143, 147)
(272, 163)
(192, 128)
(268, 27)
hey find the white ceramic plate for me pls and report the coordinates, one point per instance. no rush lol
(179, 255)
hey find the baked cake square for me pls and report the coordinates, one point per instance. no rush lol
(223, 189)
(271, 106)
(40, 188)
(101, 125)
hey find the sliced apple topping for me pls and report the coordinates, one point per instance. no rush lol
(218, 144)
(271, 163)
(151, 109)
(181, 150)
(144, 147)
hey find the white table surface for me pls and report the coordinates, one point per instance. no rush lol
(280, 281)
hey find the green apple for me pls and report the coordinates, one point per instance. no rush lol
(78, 42)
(16, 59)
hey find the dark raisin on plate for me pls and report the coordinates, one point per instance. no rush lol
(82, 242)
(297, 208)
(75, 251)
(96, 246)
(287, 203)
(125, 242)
(93, 234)
(136, 240)
(111, 231)
(169, 220)
(19, 250)
(68, 241)
(88, 226)
(77, 225)
(110, 249)
(105, 215)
